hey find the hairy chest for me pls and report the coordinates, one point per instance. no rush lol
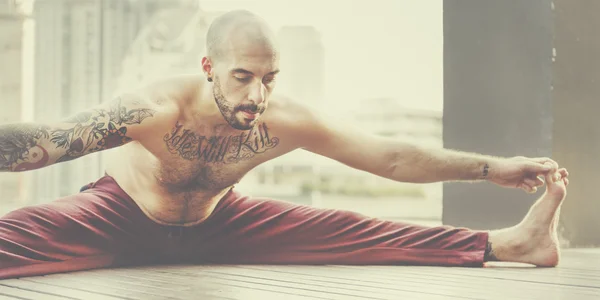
(194, 158)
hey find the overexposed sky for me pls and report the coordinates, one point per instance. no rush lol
(387, 48)
(377, 48)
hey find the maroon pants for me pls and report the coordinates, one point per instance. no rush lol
(103, 227)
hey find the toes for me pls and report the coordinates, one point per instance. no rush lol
(557, 177)
(553, 177)
(563, 172)
(550, 178)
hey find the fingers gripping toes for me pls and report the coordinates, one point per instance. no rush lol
(531, 185)
(556, 172)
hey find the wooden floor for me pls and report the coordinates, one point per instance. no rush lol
(578, 277)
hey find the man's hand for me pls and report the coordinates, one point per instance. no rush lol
(524, 173)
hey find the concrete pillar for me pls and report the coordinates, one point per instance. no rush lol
(497, 78)
(576, 95)
(505, 93)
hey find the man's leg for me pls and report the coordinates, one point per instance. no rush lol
(92, 229)
(263, 231)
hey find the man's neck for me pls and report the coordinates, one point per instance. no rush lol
(205, 105)
(205, 111)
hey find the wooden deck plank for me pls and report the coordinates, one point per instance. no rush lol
(313, 290)
(230, 280)
(459, 276)
(226, 288)
(321, 283)
(363, 286)
(81, 283)
(192, 287)
(578, 276)
(26, 294)
(197, 282)
(546, 276)
(200, 274)
(544, 280)
(66, 290)
(54, 290)
(467, 287)
(443, 286)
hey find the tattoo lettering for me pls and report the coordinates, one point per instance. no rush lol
(256, 141)
(225, 149)
(18, 143)
(95, 130)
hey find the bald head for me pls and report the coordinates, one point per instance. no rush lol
(241, 63)
(235, 29)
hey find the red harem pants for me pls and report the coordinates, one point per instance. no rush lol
(103, 227)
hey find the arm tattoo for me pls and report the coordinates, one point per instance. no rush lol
(27, 147)
(225, 149)
(98, 130)
(489, 254)
(19, 149)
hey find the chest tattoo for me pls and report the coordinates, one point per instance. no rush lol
(220, 148)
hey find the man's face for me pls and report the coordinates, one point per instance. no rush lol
(243, 81)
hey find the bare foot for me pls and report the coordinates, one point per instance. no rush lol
(534, 240)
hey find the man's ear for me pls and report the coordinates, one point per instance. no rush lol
(207, 67)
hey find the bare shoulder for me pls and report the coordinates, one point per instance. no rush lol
(290, 113)
(295, 118)
(171, 92)
(158, 104)
(168, 96)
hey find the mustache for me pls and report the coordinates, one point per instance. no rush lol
(252, 108)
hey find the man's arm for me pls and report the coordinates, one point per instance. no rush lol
(29, 146)
(389, 157)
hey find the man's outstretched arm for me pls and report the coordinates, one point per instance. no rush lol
(407, 162)
(29, 146)
(396, 159)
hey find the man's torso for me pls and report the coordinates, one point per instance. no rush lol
(179, 172)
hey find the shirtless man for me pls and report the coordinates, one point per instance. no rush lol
(179, 146)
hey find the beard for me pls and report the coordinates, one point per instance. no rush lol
(230, 111)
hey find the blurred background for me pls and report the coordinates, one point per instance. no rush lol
(497, 77)
(61, 56)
